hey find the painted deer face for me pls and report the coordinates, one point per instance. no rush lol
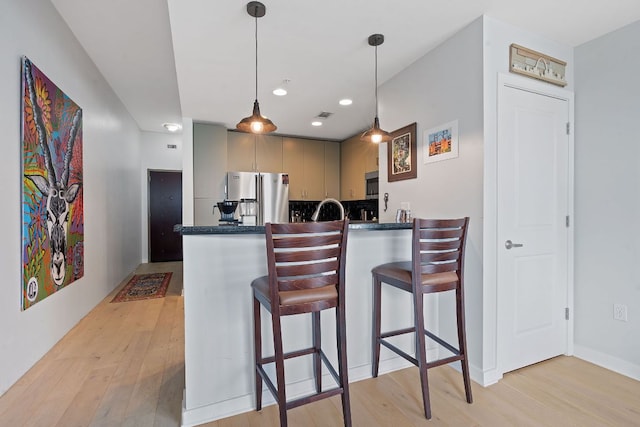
(58, 199)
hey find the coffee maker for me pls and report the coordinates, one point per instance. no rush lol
(227, 210)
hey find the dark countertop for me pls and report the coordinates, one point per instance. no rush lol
(259, 229)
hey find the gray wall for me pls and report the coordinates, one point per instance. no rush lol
(155, 155)
(111, 184)
(436, 89)
(209, 171)
(607, 199)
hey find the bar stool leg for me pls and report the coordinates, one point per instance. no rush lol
(341, 332)
(257, 339)
(375, 336)
(317, 342)
(421, 351)
(279, 362)
(462, 345)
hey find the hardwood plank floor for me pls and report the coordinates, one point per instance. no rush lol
(123, 365)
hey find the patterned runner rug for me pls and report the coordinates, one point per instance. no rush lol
(144, 286)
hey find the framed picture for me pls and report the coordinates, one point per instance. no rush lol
(441, 142)
(402, 153)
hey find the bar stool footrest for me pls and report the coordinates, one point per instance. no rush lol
(308, 399)
(456, 353)
(314, 397)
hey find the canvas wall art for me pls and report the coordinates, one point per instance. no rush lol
(52, 202)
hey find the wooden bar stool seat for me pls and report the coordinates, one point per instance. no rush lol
(437, 265)
(306, 266)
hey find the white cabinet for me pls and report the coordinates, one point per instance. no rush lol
(247, 152)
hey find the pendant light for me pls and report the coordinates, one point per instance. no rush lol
(256, 123)
(375, 134)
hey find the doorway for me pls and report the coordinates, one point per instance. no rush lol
(533, 187)
(165, 211)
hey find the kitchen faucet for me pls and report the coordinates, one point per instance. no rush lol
(315, 215)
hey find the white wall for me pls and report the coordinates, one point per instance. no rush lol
(111, 184)
(187, 171)
(498, 36)
(444, 85)
(155, 155)
(607, 200)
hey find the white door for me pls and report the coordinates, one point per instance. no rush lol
(533, 162)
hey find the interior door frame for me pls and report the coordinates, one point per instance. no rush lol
(533, 86)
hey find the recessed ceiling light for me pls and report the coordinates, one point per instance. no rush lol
(316, 123)
(172, 127)
(282, 89)
(345, 101)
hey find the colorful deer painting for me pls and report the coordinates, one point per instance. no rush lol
(53, 223)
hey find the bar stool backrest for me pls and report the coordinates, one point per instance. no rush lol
(438, 247)
(306, 264)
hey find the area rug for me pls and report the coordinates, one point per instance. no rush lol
(144, 286)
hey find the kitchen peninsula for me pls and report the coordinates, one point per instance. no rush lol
(219, 264)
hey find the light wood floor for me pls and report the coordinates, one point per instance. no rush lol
(123, 365)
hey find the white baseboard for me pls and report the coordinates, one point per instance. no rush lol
(607, 361)
(246, 403)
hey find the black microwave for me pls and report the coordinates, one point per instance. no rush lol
(371, 185)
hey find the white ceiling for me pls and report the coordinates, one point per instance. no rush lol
(195, 58)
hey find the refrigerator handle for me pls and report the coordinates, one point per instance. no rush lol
(260, 196)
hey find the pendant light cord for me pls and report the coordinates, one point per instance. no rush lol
(256, 17)
(376, 74)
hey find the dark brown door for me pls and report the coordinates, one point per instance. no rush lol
(165, 211)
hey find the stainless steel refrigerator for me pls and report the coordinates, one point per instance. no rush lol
(262, 197)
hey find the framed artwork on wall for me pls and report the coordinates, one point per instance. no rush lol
(401, 154)
(52, 199)
(441, 142)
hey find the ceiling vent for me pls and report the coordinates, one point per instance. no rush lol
(324, 115)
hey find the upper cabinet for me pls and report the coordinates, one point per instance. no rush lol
(357, 158)
(247, 152)
(371, 157)
(314, 166)
(351, 170)
(332, 169)
(304, 161)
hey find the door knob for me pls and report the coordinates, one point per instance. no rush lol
(509, 244)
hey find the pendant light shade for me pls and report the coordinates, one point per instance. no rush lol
(256, 123)
(375, 134)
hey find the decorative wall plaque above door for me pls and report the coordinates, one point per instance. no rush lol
(536, 65)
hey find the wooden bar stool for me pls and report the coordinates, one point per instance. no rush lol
(437, 265)
(306, 265)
